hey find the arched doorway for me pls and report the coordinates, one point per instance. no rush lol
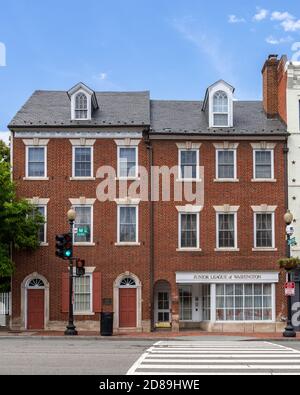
(162, 304)
(35, 302)
(128, 302)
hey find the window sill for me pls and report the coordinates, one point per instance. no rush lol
(44, 244)
(36, 179)
(263, 180)
(127, 244)
(89, 314)
(128, 179)
(82, 179)
(222, 180)
(264, 249)
(189, 180)
(189, 250)
(227, 250)
(84, 244)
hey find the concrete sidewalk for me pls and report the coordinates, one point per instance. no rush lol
(159, 335)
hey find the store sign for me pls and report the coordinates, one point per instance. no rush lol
(227, 277)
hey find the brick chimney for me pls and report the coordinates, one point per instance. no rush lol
(274, 87)
(270, 86)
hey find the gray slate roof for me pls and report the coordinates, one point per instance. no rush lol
(187, 117)
(53, 108)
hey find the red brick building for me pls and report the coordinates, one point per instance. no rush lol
(208, 263)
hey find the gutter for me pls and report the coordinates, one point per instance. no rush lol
(151, 220)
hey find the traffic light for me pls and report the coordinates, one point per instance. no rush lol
(64, 246)
(68, 246)
(80, 267)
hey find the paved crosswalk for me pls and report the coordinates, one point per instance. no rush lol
(217, 358)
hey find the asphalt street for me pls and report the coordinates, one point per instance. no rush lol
(35, 356)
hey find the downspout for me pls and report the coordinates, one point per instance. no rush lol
(151, 222)
(286, 172)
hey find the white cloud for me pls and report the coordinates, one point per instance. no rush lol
(103, 76)
(235, 19)
(281, 16)
(291, 25)
(261, 14)
(276, 41)
(287, 21)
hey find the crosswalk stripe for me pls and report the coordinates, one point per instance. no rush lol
(217, 358)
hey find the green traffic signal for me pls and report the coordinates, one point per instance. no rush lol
(64, 246)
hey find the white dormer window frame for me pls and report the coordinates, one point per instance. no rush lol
(75, 108)
(227, 109)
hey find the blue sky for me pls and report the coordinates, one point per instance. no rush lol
(175, 48)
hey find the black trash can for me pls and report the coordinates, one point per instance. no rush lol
(107, 324)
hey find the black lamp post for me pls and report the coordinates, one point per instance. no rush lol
(71, 328)
(289, 330)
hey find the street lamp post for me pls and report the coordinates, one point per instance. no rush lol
(71, 328)
(289, 330)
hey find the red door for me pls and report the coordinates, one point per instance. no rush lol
(35, 309)
(127, 308)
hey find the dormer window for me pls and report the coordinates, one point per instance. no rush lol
(218, 105)
(220, 109)
(83, 102)
(81, 106)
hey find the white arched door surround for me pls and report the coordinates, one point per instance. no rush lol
(34, 281)
(128, 280)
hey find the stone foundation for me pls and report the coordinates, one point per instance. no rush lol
(277, 327)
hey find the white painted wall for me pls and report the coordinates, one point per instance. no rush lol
(293, 119)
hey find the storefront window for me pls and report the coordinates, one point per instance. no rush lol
(186, 303)
(244, 302)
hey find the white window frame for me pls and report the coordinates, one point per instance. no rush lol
(91, 242)
(89, 106)
(180, 178)
(221, 113)
(180, 248)
(136, 148)
(90, 311)
(74, 177)
(273, 232)
(273, 296)
(126, 243)
(272, 165)
(235, 248)
(44, 206)
(234, 150)
(28, 147)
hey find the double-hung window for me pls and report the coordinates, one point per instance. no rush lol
(220, 109)
(127, 162)
(226, 165)
(83, 295)
(42, 234)
(189, 164)
(81, 106)
(83, 224)
(188, 230)
(82, 162)
(127, 224)
(226, 231)
(36, 162)
(264, 230)
(263, 164)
